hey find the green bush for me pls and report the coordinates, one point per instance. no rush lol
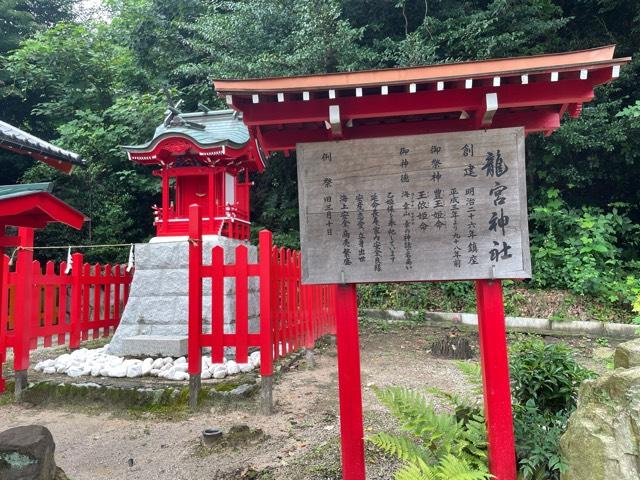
(546, 374)
(544, 385)
(581, 249)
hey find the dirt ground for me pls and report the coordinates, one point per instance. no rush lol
(300, 441)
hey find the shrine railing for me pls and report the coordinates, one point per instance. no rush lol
(229, 221)
(48, 307)
(288, 316)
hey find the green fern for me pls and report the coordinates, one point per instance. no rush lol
(440, 446)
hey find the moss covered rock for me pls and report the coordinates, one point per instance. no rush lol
(627, 355)
(602, 441)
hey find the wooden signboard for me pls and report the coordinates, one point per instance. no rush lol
(449, 206)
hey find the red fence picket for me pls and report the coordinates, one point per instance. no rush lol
(50, 307)
(292, 315)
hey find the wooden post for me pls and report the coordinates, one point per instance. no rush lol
(76, 300)
(350, 391)
(164, 218)
(3, 292)
(23, 316)
(495, 377)
(265, 249)
(195, 304)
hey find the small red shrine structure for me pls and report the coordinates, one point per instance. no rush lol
(533, 92)
(204, 158)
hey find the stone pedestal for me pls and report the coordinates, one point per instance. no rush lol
(159, 296)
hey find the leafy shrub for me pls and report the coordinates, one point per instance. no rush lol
(580, 249)
(537, 441)
(439, 447)
(546, 374)
(544, 385)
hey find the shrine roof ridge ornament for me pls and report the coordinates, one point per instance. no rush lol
(19, 141)
(219, 128)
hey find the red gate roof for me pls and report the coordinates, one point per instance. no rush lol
(533, 91)
(32, 205)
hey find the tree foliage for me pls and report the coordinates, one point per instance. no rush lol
(93, 85)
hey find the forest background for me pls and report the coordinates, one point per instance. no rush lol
(93, 81)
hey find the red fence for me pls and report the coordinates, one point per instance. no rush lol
(49, 307)
(291, 315)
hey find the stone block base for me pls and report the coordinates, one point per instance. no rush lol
(155, 346)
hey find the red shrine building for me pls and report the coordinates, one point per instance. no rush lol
(202, 157)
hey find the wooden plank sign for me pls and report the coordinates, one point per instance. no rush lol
(450, 206)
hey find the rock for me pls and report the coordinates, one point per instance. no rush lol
(602, 353)
(205, 375)
(178, 375)
(181, 367)
(49, 370)
(104, 372)
(245, 367)
(95, 370)
(27, 453)
(157, 363)
(602, 441)
(254, 359)
(75, 371)
(180, 360)
(627, 354)
(244, 390)
(134, 370)
(220, 372)
(147, 366)
(154, 372)
(232, 367)
(118, 371)
(167, 360)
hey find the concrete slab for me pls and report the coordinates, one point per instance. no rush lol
(155, 346)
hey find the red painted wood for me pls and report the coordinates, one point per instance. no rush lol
(49, 305)
(24, 292)
(350, 390)
(265, 259)
(217, 305)
(62, 306)
(76, 300)
(495, 375)
(4, 283)
(242, 304)
(195, 290)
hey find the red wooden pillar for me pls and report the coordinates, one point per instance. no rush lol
(350, 391)
(495, 377)
(194, 346)
(265, 252)
(3, 292)
(77, 287)
(23, 310)
(164, 226)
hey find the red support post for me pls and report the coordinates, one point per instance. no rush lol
(265, 248)
(76, 300)
(350, 390)
(24, 298)
(242, 304)
(195, 290)
(495, 376)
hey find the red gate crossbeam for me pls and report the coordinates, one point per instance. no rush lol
(287, 138)
(418, 103)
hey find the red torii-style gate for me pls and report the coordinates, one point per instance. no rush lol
(533, 92)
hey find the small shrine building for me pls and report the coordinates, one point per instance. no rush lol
(202, 157)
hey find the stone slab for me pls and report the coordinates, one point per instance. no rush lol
(155, 345)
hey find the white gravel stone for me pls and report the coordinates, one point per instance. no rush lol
(205, 375)
(245, 367)
(220, 372)
(134, 370)
(75, 371)
(181, 367)
(154, 372)
(119, 371)
(157, 363)
(180, 360)
(95, 370)
(232, 367)
(147, 366)
(49, 370)
(181, 376)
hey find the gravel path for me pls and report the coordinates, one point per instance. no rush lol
(301, 438)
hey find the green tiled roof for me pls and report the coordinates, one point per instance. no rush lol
(12, 191)
(10, 135)
(221, 127)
